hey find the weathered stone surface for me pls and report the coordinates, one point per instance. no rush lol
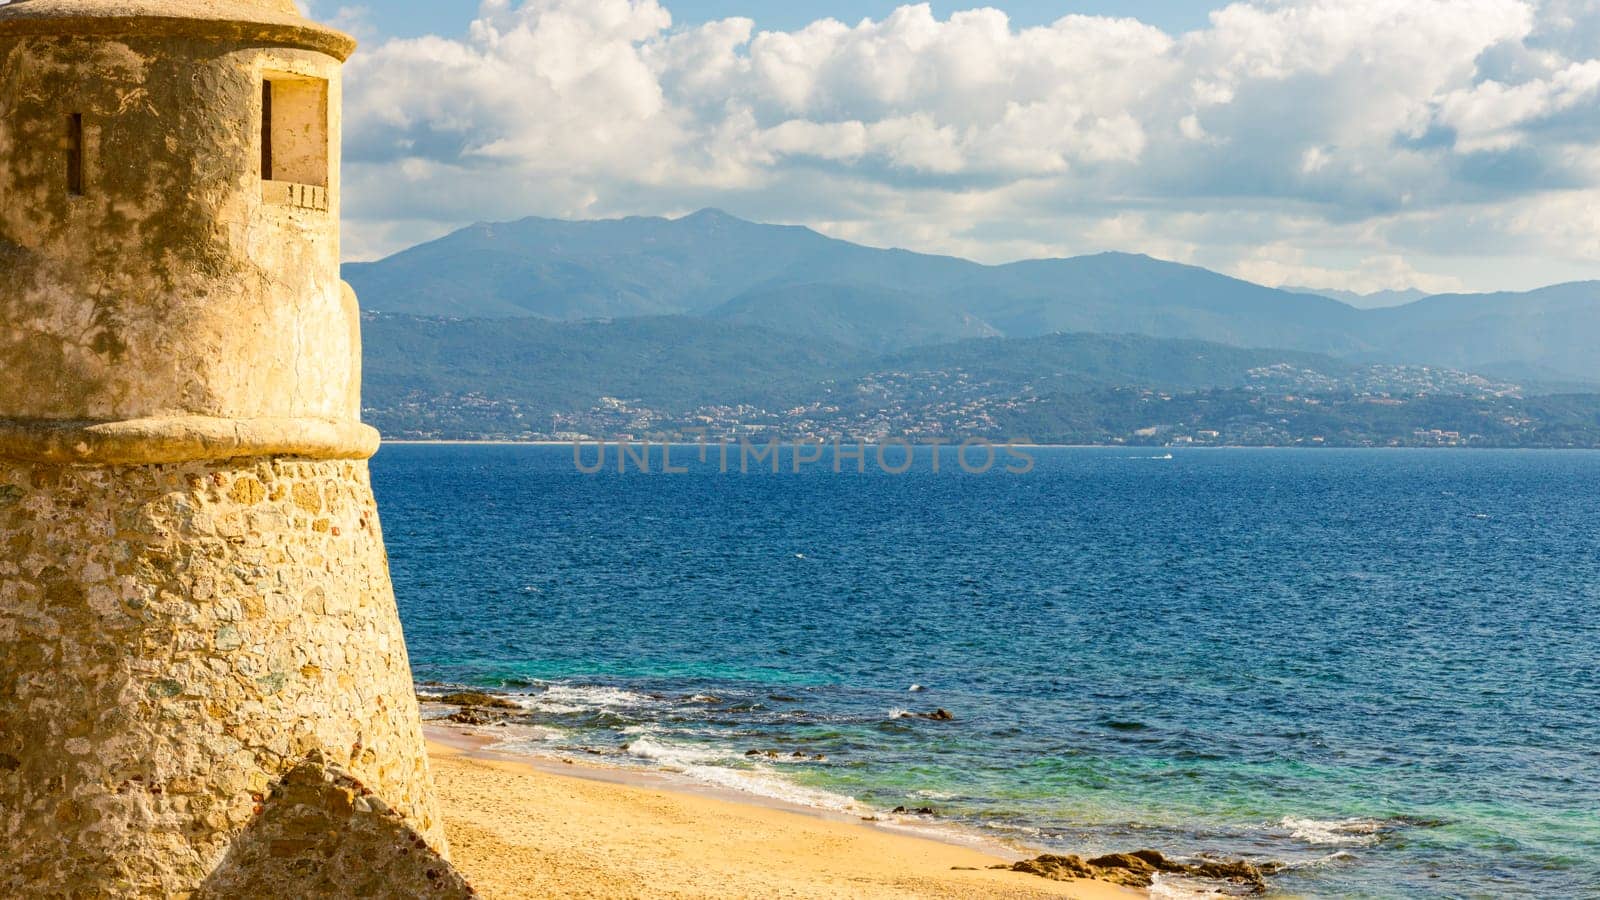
(321, 833)
(254, 21)
(170, 284)
(182, 439)
(176, 638)
(194, 599)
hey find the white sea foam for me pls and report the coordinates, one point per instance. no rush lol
(701, 764)
(596, 695)
(560, 698)
(566, 699)
(514, 737)
(673, 756)
(538, 704)
(1167, 888)
(1336, 856)
(763, 783)
(1333, 832)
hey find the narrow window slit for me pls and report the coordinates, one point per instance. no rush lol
(266, 131)
(75, 154)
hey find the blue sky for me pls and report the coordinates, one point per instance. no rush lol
(1353, 144)
(411, 18)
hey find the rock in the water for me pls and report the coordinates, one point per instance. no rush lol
(1138, 869)
(477, 698)
(1056, 868)
(938, 715)
(1237, 871)
(472, 716)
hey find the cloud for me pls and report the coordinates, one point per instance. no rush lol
(1492, 115)
(1379, 121)
(353, 19)
(1279, 265)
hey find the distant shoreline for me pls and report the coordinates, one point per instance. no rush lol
(609, 441)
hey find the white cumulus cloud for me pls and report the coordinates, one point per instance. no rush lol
(1368, 142)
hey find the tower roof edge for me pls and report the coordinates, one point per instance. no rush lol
(268, 21)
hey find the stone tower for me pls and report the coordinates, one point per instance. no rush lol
(194, 598)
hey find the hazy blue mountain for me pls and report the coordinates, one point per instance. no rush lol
(1372, 300)
(624, 267)
(670, 362)
(1550, 333)
(711, 262)
(1068, 362)
(793, 280)
(1129, 293)
(871, 318)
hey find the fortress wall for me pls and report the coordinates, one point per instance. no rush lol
(176, 639)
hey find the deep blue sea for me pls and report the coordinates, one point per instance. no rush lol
(1379, 667)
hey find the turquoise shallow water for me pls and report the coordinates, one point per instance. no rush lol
(1377, 666)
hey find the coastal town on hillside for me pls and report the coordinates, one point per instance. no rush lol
(1277, 406)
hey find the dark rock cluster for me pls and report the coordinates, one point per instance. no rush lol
(1138, 869)
(478, 699)
(938, 715)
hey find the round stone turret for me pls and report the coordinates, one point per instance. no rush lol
(203, 681)
(169, 223)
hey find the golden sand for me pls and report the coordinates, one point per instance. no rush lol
(517, 829)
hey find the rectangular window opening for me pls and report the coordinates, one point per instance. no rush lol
(294, 130)
(266, 131)
(75, 154)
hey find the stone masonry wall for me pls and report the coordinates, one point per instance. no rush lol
(174, 640)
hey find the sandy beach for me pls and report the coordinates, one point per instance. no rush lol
(519, 829)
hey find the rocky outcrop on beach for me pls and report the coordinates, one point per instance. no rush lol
(475, 698)
(1139, 869)
(476, 707)
(468, 715)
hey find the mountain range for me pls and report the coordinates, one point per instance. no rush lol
(837, 296)
(1370, 300)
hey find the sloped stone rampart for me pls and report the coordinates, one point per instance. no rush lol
(176, 639)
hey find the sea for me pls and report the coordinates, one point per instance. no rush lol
(1377, 668)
